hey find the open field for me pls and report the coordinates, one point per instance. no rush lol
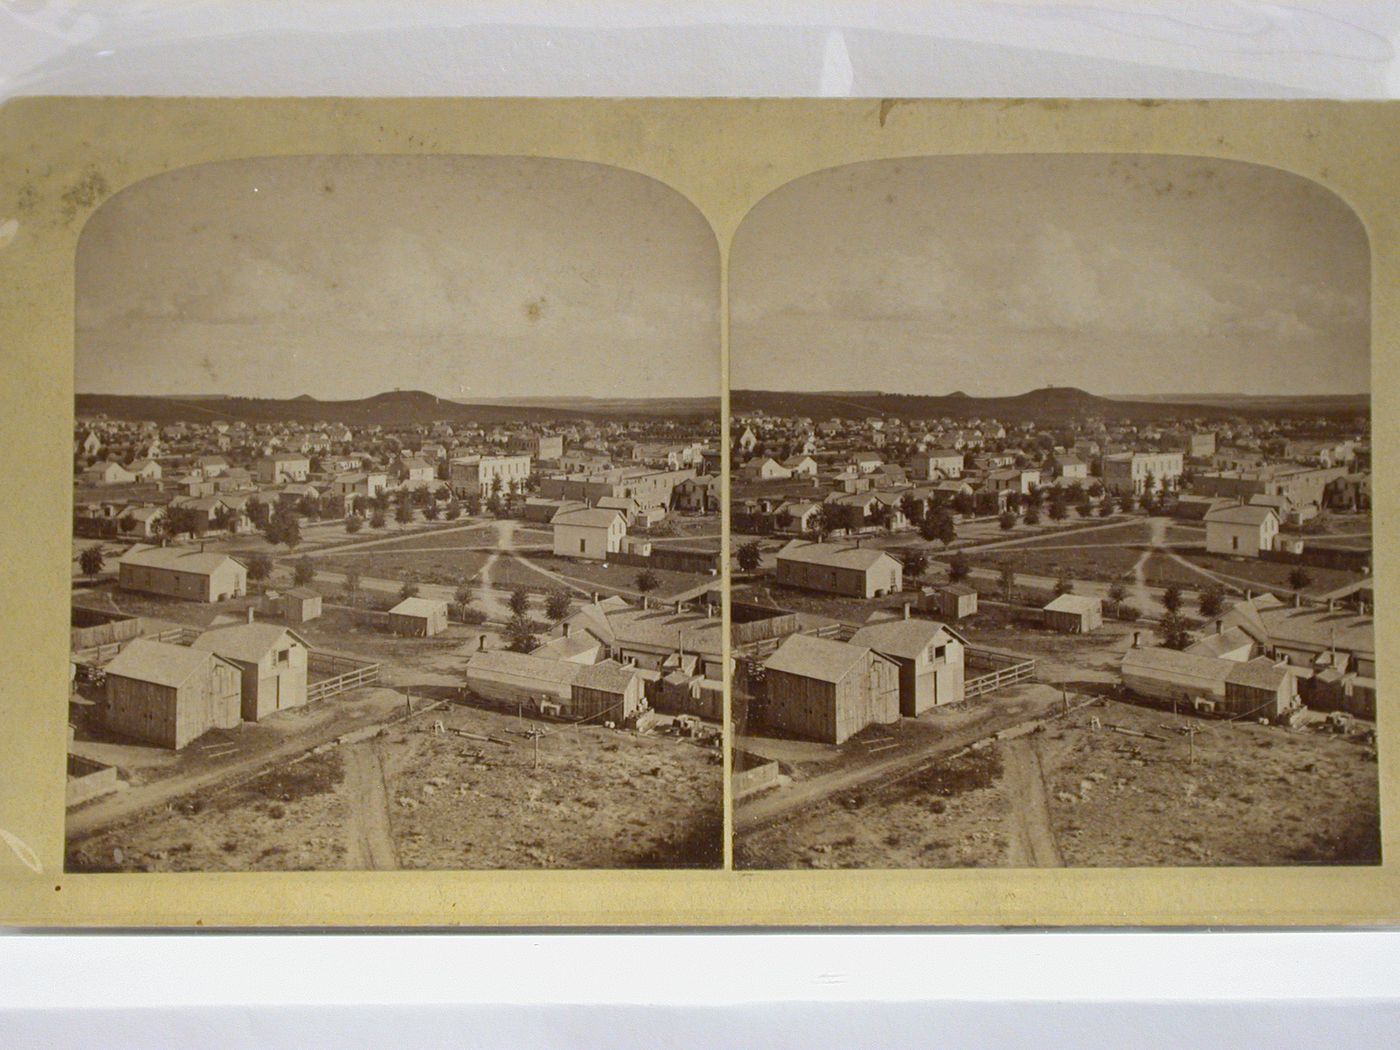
(584, 574)
(447, 567)
(414, 798)
(1084, 797)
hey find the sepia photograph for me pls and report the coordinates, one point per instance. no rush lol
(1050, 511)
(396, 536)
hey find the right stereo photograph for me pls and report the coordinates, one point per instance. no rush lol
(1050, 517)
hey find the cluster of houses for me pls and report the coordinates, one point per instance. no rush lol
(800, 479)
(610, 662)
(828, 689)
(169, 694)
(1263, 658)
(128, 476)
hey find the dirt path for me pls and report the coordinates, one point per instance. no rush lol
(776, 805)
(1031, 842)
(369, 844)
(117, 807)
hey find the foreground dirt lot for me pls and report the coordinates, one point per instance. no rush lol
(411, 797)
(1083, 797)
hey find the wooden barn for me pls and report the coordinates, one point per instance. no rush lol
(930, 659)
(521, 678)
(179, 572)
(956, 601)
(272, 660)
(301, 604)
(825, 690)
(169, 695)
(606, 692)
(1073, 614)
(418, 617)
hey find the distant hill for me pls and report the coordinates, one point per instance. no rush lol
(1048, 404)
(394, 408)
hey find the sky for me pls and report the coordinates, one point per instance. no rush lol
(343, 277)
(994, 275)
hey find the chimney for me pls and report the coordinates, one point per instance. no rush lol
(646, 602)
(1297, 600)
(1137, 638)
(250, 614)
(481, 643)
(1331, 605)
(1219, 625)
(906, 610)
(565, 626)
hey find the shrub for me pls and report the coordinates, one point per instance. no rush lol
(1128, 612)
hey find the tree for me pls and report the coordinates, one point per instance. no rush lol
(1171, 599)
(1211, 601)
(1299, 578)
(259, 513)
(915, 564)
(520, 634)
(259, 568)
(556, 604)
(1107, 509)
(965, 504)
(377, 520)
(464, 593)
(303, 572)
(1116, 593)
(1008, 582)
(403, 512)
(1172, 632)
(647, 582)
(519, 601)
(430, 511)
(750, 554)
(820, 522)
(91, 560)
(1032, 515)
(1128, 502)
(1064, 585)
(1007, 521)
(1057, 509)
(453, 511)
(958, 567)
(409, 588)
(352, 585)
(353, 524)
(939, 526)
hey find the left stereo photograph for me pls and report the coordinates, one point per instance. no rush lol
(396, 534)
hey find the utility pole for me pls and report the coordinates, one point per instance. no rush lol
(536, 735)
(1190, 745)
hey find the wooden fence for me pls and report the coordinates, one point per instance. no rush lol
(1006, 669)
(97, 655)
(344, 673)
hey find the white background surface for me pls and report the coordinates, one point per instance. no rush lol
(1165, 989)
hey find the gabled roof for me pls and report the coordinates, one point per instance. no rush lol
(824, 659)
(902, 638)
(1170, 661)
(606, 676)
(245, 642)
(832, 554)
(588, 518)
(1247, 515)
(523, 667)
(1259, 673)
(181, 559)
(1073, 603)
(161, 663)
(418, 607)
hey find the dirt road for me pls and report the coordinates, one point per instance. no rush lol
(1031, 842)
(369, 844)
(114, 808)
(778, 804)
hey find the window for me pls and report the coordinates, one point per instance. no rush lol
(582, 546)
(1234, 543)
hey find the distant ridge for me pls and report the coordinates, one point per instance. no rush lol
(1047, 404)
(395, 407)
